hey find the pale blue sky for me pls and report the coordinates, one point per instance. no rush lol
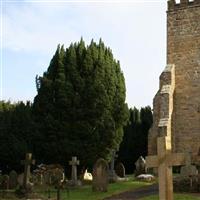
(135, 31)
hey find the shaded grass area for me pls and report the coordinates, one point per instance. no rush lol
(85, 192)
(176, 197)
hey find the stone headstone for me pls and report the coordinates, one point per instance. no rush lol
(5, 182)
(120, 170)
(20, 179)
(140, 165)
(100, 176)
(112, 174)
(188, 170)
(13, 179)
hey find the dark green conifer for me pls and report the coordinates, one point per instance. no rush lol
(81, 103)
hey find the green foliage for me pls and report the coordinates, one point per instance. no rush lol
(135, 138)
(80, 107)
(16, 129)
(79, 111)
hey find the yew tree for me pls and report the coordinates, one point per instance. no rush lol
(80, 107)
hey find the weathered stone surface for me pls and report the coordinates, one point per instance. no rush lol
(176, 105)
(27, 167)
(164, 161)
(74, 162)
(140, 165)
(187, 184)
(183, 51)
(188, 170)
(100, 176)
(120, 170)
(13, 179)
(20, 179)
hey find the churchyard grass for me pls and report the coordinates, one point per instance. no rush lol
(85, 193)
(176, 197)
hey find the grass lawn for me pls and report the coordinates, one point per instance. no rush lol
(176, 197)
(85, 192)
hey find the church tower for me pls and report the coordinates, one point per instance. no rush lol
(180, 80)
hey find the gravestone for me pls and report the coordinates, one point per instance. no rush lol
(188, 170)
(120, 170)
(13, 179)
(5, 182)
(112, 174)
(188, 179)
(27, 165)
(74, 162)
(140, 165)
(20, 179)
(100, 176)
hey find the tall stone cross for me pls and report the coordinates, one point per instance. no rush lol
(27, 166)
(74, 162)
(164, 161)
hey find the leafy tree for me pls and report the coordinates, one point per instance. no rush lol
(80, 106)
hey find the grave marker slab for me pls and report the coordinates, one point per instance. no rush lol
(189, 169)
(140, 166)
(120, 170)
(100, 176)
(112, 173)
(13, 179)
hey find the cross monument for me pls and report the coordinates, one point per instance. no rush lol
(27, 166)
(164, 162)
(74, 162)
